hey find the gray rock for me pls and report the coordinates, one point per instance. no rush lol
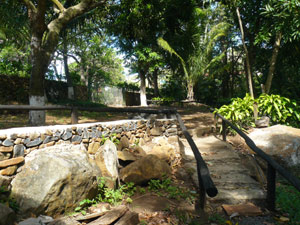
(67, 135)
(54, 138)
(18, 150)
(119, 130)
(262, 122)
(7, 215)
(41, 220)
(26, 141)
(105, 133)
(76, 138)
(79, 131)
(85, 134)
(54, 180)
(7, 143)
(58, 133)
(98, 134)
(92, 134)
(34, 143)
(32, 221)
(47, 139)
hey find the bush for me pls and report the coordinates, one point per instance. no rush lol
(279, 109)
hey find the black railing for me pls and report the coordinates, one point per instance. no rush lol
(206, 185)
(273, 166)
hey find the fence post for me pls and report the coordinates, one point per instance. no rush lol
(74, 115)
(271, 187)
(224, 130)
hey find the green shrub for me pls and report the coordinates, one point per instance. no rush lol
(239, 112)
(279, 109)
(163, 100)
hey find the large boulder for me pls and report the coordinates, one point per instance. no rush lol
(145, 169)
(282, 142)
(107, 160)
(7, 215)
(55, 179)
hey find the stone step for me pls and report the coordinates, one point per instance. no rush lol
(238, 195)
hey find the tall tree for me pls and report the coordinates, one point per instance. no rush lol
(46, 22)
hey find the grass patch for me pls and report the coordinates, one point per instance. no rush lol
(288, 202)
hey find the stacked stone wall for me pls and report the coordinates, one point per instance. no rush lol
(16, 143)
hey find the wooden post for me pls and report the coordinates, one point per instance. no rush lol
(224, 130)
(74, 115)
(271, 187)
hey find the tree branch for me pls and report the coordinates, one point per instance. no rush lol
(30, 5)
(59, 5)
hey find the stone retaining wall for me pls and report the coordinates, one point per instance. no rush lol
(16, 143)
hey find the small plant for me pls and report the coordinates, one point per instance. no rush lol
(84, 204)
(112, 137)
(114, 196)
(105, 194)
(5, 199)
(164, 188)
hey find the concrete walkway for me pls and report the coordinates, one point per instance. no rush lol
(231, 177)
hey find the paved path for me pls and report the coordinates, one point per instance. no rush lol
(232, 178)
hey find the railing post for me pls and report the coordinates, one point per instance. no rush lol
(202, 193)
(74, 115)
(271, 187)
(224, 130)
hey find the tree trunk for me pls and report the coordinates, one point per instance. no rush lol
(40, 62)
(272, 63)
(143, 96)
(67, 72)
(190, 95)
(44, 39)
(248, 68)
(155, 83)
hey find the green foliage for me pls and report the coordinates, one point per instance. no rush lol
(115, 196)
(288, 201)
(240, 112)
(165, 188)
(175, 87)
(281, 110)
(14, 61)
(7, 200)
(111, 196)
(163, 100)
(112, 137)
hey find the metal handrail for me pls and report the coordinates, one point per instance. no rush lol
(273, 166)
(206, 185)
